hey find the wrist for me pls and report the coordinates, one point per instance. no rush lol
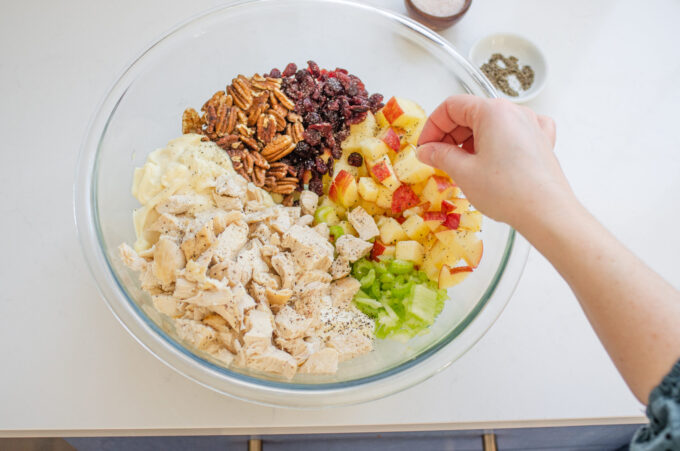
(548, 211)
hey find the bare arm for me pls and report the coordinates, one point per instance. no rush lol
(514, 177)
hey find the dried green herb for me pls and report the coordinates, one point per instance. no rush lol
(499, 70)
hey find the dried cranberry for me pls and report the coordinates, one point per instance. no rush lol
(332, 87)
(275, 73)
(289, 70)
(320, 165)
(336, 152)
(313, 137)
(312, 118)
(355, 159)
(316, 186)
(313, 68)
(302, 147)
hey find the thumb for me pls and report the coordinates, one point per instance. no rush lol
(447, 157)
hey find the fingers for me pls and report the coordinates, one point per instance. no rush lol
(460, 110)
(548, 127)
(450, 159)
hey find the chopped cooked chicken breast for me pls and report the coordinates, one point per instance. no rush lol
(308, 201)
(352, 248)
(324, 361)
(363, 223)
(245, 280)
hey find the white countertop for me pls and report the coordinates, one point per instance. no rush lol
(69, 368)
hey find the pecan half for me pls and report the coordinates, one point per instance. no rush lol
(283, 99)
(280, 146)
(226, 141)
(250, 142)
(191, 121)
(266, 128)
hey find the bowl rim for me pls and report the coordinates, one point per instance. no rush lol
(233, 383)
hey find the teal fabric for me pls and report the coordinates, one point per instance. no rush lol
(663, 410)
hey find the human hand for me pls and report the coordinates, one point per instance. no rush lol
(508, 170)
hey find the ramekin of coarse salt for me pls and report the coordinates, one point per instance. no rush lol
(437, 14)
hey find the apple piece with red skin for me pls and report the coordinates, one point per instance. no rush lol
(400, 219)
(437, 189)
(392, 110)
(473, 253)
(403, 113)
(434, 219)
(384, 173)
(452, 221)
(380, 171)
(447, 206)
(377, 250)
(403, 198)
(343, 190)
(391, 139)
(449, 277)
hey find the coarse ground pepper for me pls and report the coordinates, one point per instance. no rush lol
(500, 75)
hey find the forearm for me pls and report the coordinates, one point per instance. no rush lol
(635, 313)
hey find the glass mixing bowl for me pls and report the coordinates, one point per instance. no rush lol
(392, 55)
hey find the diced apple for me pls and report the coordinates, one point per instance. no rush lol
(429, 241)
(373, 148)
(390, 251)
(343, 165)
(391, 231)
(368, 189)
(419, 187)
(403, 198)
(446, 251)
(377, 250)
(415, 228)
(471, 220)
(436, 190)
(409, 168)
(471, 247)
(384, 173)
(462, 205)
(410, 250)
(343, 190)
(391, 139)
(452, 221)
(417, 210)
(449, 277)
(380, 120)
(384, 199)
(403, 113)
(433, 219)
(413, 132)
(447, 206)
(358, 132)
(370, 207)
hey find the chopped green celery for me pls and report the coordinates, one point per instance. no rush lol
(397, 266)
(337, 231)
(367, 280)
(422, 302)
(375, 290)
(380, 267)
(368, 301)
(401, 289)
(361, 268)
(387, 278)
(401, 300)
(326, 214)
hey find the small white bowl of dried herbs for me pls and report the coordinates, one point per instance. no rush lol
(513, 64)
